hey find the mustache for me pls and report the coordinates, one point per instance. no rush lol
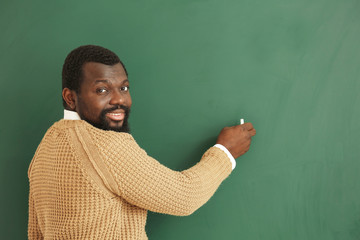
(125, 108)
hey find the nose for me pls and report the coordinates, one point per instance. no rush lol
(117, 98)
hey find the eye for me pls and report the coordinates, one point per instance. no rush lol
(101, 90)
(125, 88)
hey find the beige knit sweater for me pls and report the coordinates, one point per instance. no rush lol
(87, 183)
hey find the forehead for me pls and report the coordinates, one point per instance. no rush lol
(93, 71)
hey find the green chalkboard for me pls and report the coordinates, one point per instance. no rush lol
(292, 68)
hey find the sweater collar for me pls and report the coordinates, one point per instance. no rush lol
(71, 115)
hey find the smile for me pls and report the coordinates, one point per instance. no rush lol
(116, 116)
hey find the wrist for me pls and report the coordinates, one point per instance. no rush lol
(231, 157)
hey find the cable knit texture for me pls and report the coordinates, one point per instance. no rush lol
(87, 183)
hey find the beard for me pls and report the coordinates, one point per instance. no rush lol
(104, 124)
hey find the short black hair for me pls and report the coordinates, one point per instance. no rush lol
(74, 62)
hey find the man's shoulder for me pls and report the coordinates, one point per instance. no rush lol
(82, 127)
(66, 124)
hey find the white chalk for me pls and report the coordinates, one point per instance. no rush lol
(241, 121)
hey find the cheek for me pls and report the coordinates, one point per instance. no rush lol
(91, 107)
(96, 107)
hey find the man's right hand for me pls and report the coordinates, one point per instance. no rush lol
(237, 139)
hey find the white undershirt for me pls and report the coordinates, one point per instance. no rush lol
(71, 115)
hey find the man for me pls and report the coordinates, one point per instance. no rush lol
(90, 180)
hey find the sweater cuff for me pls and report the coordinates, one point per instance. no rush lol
(232, 159)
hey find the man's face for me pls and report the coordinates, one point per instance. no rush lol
(104, 98)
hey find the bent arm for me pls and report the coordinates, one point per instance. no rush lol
(144, 182)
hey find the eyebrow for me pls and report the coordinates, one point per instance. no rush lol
(107, 81)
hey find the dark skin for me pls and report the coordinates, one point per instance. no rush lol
(237, 139)
(105, 87)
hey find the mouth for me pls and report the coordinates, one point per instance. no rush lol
(116, 116)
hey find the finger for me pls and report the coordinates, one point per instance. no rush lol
(252, 132)
(248, 126)
(244, 127)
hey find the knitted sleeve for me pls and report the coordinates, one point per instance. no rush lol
(143, 181)
(33, 226)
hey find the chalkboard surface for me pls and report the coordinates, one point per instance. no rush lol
(292, 68)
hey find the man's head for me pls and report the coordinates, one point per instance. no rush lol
(95, 85)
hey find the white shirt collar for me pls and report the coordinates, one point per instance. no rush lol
(71, 115)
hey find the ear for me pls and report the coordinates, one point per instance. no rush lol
(70, 98)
